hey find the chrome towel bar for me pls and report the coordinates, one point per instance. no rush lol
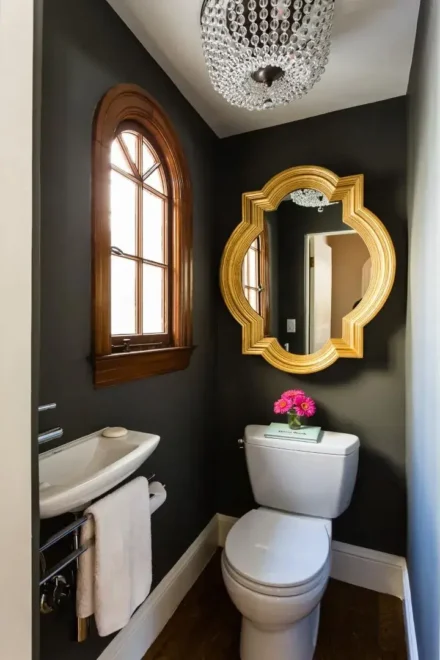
(52, 434)
(77, 552)
(65, 562)
(47, 406)
(63, 532)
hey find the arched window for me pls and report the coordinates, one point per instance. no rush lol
(142, 241)
(140, 244)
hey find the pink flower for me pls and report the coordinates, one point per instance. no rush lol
(305, 406)
(291, 395)
(282, 406)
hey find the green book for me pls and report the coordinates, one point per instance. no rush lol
(305, 433)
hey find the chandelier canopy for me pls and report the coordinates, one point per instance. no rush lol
(264, 53)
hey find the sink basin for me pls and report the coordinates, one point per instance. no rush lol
(80, 471)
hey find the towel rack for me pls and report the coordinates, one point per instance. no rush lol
(65, 562)
(78, 551)
(63, 532)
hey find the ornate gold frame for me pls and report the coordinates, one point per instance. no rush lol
(350, 191)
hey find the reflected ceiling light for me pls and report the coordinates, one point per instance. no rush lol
(311, 198)
(264, 53)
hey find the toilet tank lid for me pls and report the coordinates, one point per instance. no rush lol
(340, 444)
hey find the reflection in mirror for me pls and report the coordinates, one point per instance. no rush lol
(306, 271)
(255, 277)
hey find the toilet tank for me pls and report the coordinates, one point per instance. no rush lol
(313, 479)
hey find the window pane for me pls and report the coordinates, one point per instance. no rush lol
(154, 227)
(156, 181)
(148, 158)
(130, 140)
(253, 268)
(123, 212)
(123, 302)
(254, 245)
(118, 157)
(253, 299)
(154, 299)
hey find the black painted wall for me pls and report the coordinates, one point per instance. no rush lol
(365, 397)
(87, 50)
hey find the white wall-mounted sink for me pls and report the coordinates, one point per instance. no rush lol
(80, 471)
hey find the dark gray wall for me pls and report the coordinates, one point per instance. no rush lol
(87, 50)
(365, 397)
(423, 339)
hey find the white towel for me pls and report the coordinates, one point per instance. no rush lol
(114, 575)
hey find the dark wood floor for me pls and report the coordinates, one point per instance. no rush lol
(356, 624)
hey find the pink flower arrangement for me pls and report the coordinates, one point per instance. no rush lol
(295, 403)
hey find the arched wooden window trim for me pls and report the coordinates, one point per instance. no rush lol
(122, 104)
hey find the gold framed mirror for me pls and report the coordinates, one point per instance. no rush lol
(344, 271)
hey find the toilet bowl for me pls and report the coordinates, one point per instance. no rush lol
(275, 568)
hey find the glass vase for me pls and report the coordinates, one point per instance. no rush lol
(294, 421)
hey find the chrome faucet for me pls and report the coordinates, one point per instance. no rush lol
(52, 434)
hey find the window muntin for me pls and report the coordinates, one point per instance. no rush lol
(140, 244)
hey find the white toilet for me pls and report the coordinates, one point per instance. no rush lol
(276, 561)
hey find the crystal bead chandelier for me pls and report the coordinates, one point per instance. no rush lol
(311, 198)
(264, 53)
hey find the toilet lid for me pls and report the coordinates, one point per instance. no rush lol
(277, 549)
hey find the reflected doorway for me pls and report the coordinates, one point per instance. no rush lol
(338, 271)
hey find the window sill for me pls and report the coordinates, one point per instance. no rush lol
(124, 367)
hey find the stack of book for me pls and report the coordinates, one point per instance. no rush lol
(304, 433)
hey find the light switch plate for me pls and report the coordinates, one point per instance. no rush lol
(291, 325)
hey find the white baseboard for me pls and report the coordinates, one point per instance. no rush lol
(361, 567)
(410, 629)
(369, 569)
(136, 638)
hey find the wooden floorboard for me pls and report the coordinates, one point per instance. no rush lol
(356, 624)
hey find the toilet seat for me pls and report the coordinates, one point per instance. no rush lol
(282, 592)
(276, 553)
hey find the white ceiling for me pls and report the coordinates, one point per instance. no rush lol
(370, 59)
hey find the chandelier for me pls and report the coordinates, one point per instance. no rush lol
(311, 198)
(264, 53)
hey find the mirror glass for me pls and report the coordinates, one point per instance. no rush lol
(305, 271)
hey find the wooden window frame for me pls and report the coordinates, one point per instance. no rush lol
(123, 105)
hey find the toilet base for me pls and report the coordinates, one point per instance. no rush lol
(297, 642)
